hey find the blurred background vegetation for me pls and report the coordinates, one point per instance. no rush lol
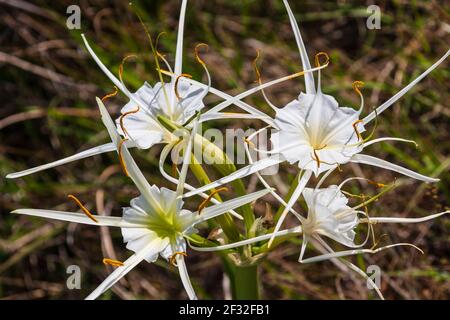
(48, 86)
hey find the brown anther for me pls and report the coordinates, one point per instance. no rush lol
(122, 162)
(123, 116)
(111, 94)
(357, 85)
(378, 185)
(186, 75)
(354, 125)
(83, 208)
(317, 59)
(197, 56)
(112, 262)
(123, 62)
(205, 202)
(255, 67)
(173, 257)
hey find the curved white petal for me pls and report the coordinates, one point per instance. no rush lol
(131, 166)
(347, 253)
(153, 247)
(113, 78)
(404, 220)
(78, 218)
(309, 79)
(230, 115)
(294, 197)
(185, 277)
(376, 162)
(81, 155)
(243, 172)
(162, 159)
(248, 241)
(218, 209)
(399, 94)
(388, 139)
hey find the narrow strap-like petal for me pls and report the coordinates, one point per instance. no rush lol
(162, 159)
(185, 277)
(403, 220)
(309, 79)
(399, 94)
(81, 155)
(78, 218)
(376, 162)
(218, 209)
(241, 173)
(295, 195)
(133, 170)
(153, 247)
(248, 241)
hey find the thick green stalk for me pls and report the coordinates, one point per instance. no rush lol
(245, 282)
(225, 220)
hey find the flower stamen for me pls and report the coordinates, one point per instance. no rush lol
(173, 257)
(259, 79)
(186, 75)
(317, 59)
(112, 262)
(122, 162)
(82, 207)
(354, 125)
(111, 94)
(205, 202)
(122, 63)
(123, 116)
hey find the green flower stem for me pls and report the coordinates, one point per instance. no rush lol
(245, 282)
(225, 221)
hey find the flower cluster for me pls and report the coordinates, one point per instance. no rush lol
(313, 133)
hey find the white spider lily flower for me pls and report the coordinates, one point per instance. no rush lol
(155, 223)
(142, 126)
(329, 215)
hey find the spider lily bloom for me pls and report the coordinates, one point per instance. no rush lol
(155, 223)
(139, 122)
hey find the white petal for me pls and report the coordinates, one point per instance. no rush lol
(162, 159)
(248, 241)
(185, 277)
(376, 162)
(230, 115)
(129, 264)
(131, 166)
(81, 155)
(218, 209)
(399, 94)
(78, 218)
(387, 139)
(309, 79)
(294, 197)
(243, 172)
(179, 48)
(405, 220)
(108, 73)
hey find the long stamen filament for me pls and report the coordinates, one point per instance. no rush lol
(173, 257)
(124, 130)
(206, 201)
(82, 207)
(186, 75)
(121, 160)
(259, 79)
(111, 94)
